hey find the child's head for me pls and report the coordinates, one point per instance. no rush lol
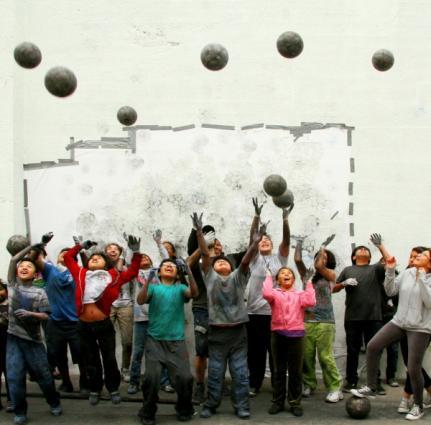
(99, 261)
(113, 251)
(285, 278)
(60, 256)
(26, 270)
(414, 253)
(265, 245)
(168, 271)
(3, 291)
(218, 248)
(146, 262)
(423, 260)
(361, 253)
(222, 265)
(170, 247)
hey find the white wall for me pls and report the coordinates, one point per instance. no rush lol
(146, 54)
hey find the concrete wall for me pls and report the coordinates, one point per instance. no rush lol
(146, 54)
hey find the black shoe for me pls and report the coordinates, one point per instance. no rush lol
(199, 394)
(94, 398)
(275, 408)
(243, 413)
(348, 387)
(297, 410)
(115, 397)
(148, 421)
(207, 412)
(381, 390)
(66, 387)
(185, 418)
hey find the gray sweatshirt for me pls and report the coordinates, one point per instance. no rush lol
(414, 306)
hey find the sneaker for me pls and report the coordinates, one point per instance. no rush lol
(125, 375)
(306, 391)
(349, 387)
(56, 411)
(148, 421)
(275, 408)
(199, 394)
(334, 396)
(243, 413)
(381, 390)
(66, 387)
(168, 388)
(133, 389)
(405, 405)
(115, 397)
(207, 412)
(185, 418)
(84, 391)
(297, 410)
(415, 413)
(94, 398)
(364, 392)
(253, 392)
(426, 402)
(392, 383)
(20, 419)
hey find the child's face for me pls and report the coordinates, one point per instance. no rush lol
(218, 248)
(60, 258)
(113, 252)
(26, 271)
(3, 294)
(145, 262)
(168, 270)
(285, 279)
(265, 246)
(169, 248)
(96, 262)
(222, 267)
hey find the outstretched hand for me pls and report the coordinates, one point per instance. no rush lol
(133, 243)
(197, 221)
(157, 236)
(328, 240)
(78, 240)
(287, 211)
(257, 208)
(47, 237)
(257, 236)
(88, 244)
(376, 239)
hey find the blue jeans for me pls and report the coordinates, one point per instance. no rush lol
(23, 355)
(140, 330)
(228, 346)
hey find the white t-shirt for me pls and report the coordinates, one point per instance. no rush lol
(96, 282)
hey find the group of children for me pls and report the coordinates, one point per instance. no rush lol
(245, 306)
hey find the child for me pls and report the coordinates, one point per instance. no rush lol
(165, 345)
(97, 287)
(227, 335)
(25, 350)
(287, 336)
(3, 338)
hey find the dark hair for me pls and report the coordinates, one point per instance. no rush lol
(29, 260)
(120, 248)
(356, 249)
(285, 268)
(63, 250)
(109, 264)
(222, 257)
(2, 285)
(172, 246)
(180, 275)
(419, 249)
(331, 263)
(146, 255)
(207, 228)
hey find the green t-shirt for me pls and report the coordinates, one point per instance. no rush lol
(166, 320)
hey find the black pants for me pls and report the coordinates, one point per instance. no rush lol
(59, 335)
(408, 384)
(98, 339)
(356, 332)
(3, 339)
(259, 343)
(288, 356)
(173, 355)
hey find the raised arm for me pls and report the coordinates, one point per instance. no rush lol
(376, 239)
(285, 243)
(194, 258)
(302, 270)
(133, 244)
(308, 296)
(205, 253)
(192, 291)
(256, 219)
(157, 236)
(252, 249)
(392, 282)
(143, 296)
(320, 265)
(268, 288)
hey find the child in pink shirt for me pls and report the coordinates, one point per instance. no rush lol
(287, 336)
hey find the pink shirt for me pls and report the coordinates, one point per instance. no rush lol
(288, 307)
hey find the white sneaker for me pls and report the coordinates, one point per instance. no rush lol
(405, 405)
(365, 391)
(427, 401)
(125, 375)
(415, 413)
(306, 392)
(334, 396)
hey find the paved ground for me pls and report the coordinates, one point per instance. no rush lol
(316, 411)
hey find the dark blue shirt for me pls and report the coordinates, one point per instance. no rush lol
(60, 288)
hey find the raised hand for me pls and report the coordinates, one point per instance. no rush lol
(391, 263)
(78, 240)
(351, 281)
(376, 239)
(328, 240)
(133, 243)
(88, 244)
(157, 236)
(47, 237)
(181, 265)
(209, 238)
(197, 221)
(257, 208)
(287, 211)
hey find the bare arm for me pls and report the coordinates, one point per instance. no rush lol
(302, 270)
(142, 297)
(285, 243)
(377, 241)
(252, 249)
(256, 219)
(193, 258)
(320, 266)
(205, 253)
(192, 291)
